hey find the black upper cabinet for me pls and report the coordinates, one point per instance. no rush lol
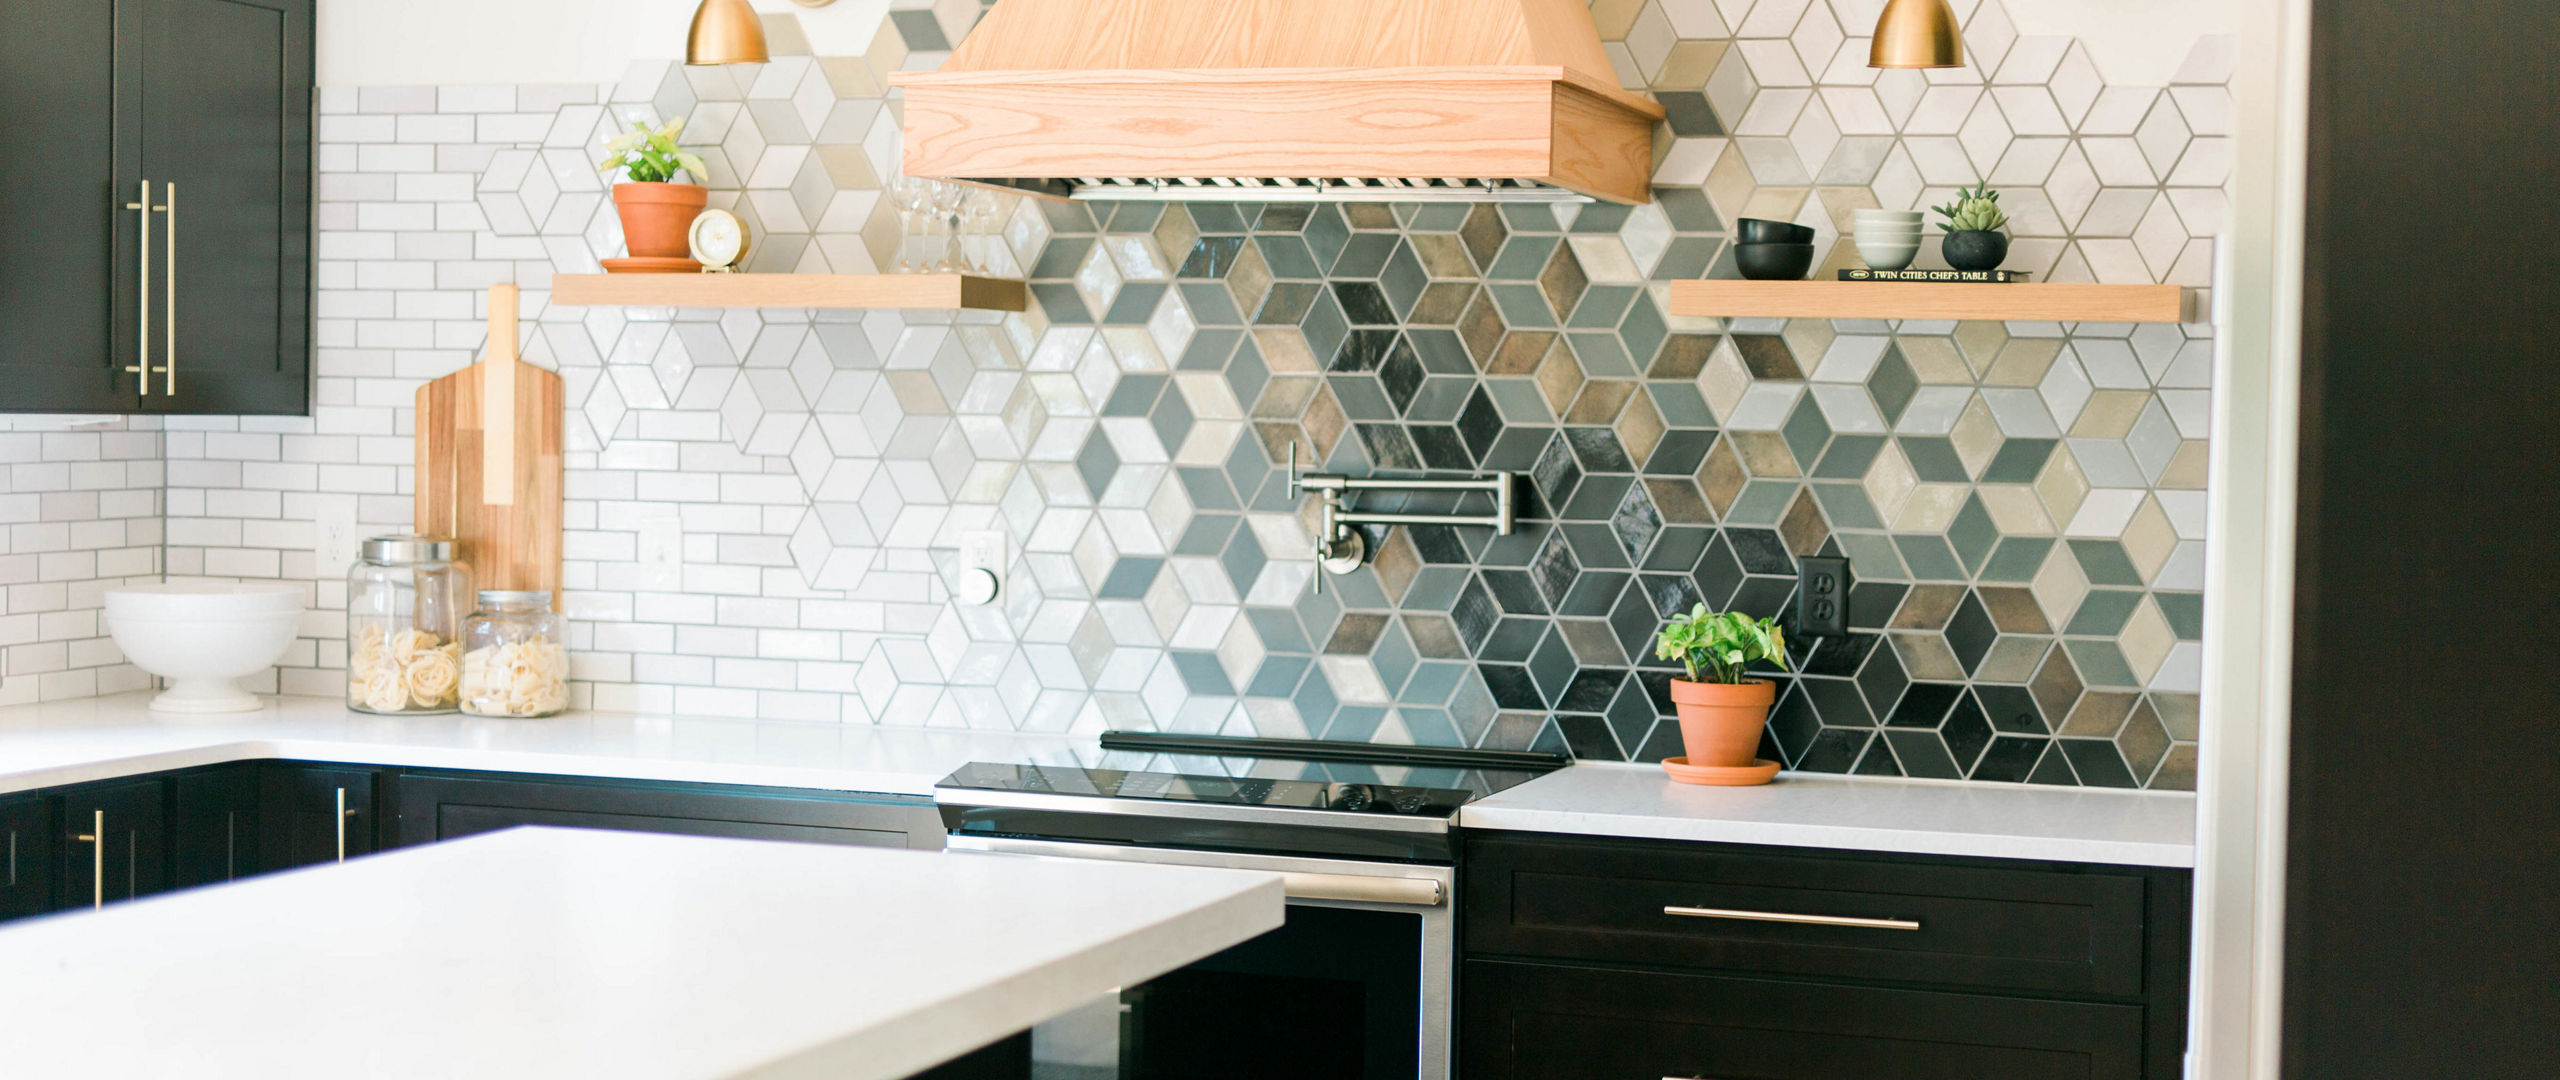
(207, 282)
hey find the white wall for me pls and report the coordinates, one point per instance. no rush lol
(462, 42)
(448, 42)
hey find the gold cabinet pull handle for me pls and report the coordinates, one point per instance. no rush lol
(141, 365)
(169, 353)
(96, 838)
(342, 824)
(1782, 917)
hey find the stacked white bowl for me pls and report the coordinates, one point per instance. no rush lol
(1887, 239)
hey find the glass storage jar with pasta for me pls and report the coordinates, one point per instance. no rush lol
(515, 656)
(406, 597)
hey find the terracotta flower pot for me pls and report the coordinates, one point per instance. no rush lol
(1720, 723)
(656, 217)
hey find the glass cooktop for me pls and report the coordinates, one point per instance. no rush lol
(1298, 785)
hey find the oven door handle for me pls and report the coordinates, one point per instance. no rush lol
(1411, 892)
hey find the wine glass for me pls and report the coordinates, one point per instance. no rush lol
(946, 220)
(911, 196)
(980, 215)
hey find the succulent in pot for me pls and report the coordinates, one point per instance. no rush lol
(1722, 710)
(1974, 240)
(656, 212)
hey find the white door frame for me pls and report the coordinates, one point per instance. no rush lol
(2236, 986)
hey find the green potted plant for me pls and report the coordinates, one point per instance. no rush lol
(656, 211)
(1722, 710)
(1974, 240)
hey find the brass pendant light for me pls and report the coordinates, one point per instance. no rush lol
(725, 32)
(1917, 34)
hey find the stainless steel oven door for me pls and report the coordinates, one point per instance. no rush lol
(1367, 936)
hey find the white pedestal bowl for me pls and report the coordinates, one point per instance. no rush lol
(202, 635)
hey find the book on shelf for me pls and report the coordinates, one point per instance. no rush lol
(1993, 276)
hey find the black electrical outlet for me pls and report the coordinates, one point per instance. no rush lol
(1822, 596)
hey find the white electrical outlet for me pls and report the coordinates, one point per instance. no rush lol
(662, 553)
(981, 567)
(334, 541)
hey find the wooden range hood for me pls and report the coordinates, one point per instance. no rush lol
(1284, 100)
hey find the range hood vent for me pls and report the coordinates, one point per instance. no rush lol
(1283, 101)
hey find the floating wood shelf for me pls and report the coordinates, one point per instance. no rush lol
(950, 292)
(2022, 302)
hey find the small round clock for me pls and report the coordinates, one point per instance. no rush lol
(719, 240)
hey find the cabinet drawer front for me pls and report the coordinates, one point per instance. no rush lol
(1547, 1022)
(1746, 909)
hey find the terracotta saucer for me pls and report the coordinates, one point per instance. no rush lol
(1758, 772)
(651, 266)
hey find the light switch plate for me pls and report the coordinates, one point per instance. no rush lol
(661, 552)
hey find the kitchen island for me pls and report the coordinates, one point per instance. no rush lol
(543, 953)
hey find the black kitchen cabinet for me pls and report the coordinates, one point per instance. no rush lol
(442, 806)
(113, 842)
(213, 825)
(155, 210)
(314, 814)
(26, 877)
(1553, 1022)
(1588, 957)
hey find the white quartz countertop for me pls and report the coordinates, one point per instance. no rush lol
(2128, 828)
(76, 741)
(547, 953)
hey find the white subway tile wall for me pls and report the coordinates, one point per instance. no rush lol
(79, 514)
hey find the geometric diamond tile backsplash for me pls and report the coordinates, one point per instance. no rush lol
(2023, 503)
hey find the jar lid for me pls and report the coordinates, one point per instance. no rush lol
(516, 596)
(408, 548)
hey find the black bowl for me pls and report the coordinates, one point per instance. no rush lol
(1752, 230)
(1773, 262)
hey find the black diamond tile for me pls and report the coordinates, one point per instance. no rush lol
(1966, 732)
(1924, 705)
(1837, 701)
(1363, 303)
(1363, 350)
(1766, 598)
(1400, 375)
(1835, 751)
(1514, 591)
(1479, 424)
(1761, 551)
(1440, 447)
(1678, 548)
(1923, 755)
(1630, 713)
(1589, 738)
(1881, 681)
(1795, 725)
(1474, 614)
(1513, 638)
(1878, 761)
(1594, 594)
(1670, 594)
(2010, 709)
(2054, 770)
(1554, 569)
(1598, 450)
(1634, 621)
(2097, 762)
(1554, 477)
(1970, 633)
(1511, 686)
(2010, 759)
(1636, 522)
(1211, 257)
(1872, 603)
(1717, 574)
(1438, 544)
(1551, 666)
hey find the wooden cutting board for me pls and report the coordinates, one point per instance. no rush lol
(488, 440)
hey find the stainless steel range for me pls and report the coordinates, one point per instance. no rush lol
(1357, 984)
